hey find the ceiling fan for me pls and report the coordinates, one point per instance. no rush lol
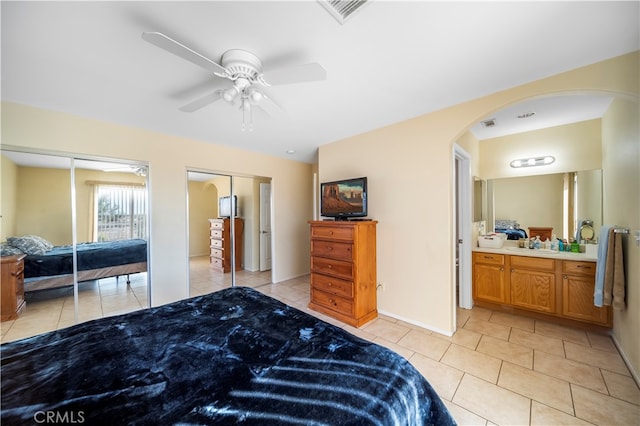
(244, 70)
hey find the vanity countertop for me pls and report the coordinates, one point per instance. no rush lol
(511, 248)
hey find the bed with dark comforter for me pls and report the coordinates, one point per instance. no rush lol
(231, 356)
(96, 260)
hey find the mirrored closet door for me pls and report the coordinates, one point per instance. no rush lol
(55, 207)
(226, 216)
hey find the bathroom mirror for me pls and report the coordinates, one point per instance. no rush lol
(559, 200)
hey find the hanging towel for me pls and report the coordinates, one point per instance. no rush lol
(609, 289)
(603, 248)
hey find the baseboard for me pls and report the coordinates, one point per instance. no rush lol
(626, 360)
(416, 323)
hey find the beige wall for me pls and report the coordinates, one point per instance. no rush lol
(43, 201)
(169, 157)
(575, 146)
(8, 197)
(621, 200)
(203, 205)
(410, 170)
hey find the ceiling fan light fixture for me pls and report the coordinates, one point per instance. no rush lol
(230, 94)
(255, 96)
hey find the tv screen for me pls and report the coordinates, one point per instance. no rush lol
(224, 206)
(343, 199)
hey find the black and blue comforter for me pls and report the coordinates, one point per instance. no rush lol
(59, 260)
(235, 356)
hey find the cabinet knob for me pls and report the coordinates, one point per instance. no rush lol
(329, 266)
(329, 284)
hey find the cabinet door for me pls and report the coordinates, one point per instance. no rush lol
(577, 300)
(533, 290)
(489, 283)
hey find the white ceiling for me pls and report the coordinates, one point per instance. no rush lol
(392, 61)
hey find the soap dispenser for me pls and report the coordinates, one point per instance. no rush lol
(537, 243)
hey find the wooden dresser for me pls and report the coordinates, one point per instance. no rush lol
(220, 246)
(343, 270)
(12, 287)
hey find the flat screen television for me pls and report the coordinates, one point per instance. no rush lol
(224, 206)
(344, 199)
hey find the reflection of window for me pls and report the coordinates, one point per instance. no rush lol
(120, 212)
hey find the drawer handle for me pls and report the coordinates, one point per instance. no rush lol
(330, 248)
(488, 257)
(583, 266)
(329, 266)
(329, 284)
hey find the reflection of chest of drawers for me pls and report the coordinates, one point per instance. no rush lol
(343, 270)
(220, 244)
(12, 287)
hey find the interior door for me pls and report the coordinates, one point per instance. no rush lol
(265, 226)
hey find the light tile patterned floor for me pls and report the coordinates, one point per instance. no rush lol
(504, 369)
(497, 369)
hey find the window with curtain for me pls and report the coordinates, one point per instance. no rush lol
(120, 212)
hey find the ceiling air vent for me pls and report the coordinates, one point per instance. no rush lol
(489, 123)
(343, 9)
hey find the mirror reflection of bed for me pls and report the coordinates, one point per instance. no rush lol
(107, 212)
(253, 243)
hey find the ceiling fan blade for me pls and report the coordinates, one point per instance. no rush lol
(296, 74)
(202, 102)
(170, 45)
(270, 106)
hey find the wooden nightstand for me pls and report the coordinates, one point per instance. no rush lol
(12, 287)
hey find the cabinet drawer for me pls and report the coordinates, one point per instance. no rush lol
(217, 225)
(491, 258)
(580, 268)
(342, 251)
(527, 262)
(217, 253)
(332, 301)
(216, 243)
(216, 233)
(217, 263)
(337, 233)
(332, 267)
(332, 285)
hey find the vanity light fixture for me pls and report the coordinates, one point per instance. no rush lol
(533, 161)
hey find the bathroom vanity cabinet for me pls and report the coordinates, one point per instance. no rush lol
(546, 287)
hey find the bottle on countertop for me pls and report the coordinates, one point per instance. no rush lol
(547, 244)
(575, 247)
(537, 244)
(554, 243)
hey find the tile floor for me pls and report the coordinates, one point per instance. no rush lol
(497, 369)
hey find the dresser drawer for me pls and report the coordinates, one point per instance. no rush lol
(338, 268)
(332, 285)
(333, 302)
(342, 251)
(336, 232)
(217, 253)
(491, 258)
(216, 244)
(528, 262)
(217, 225)
(216, 233)
(580, 268)
(217, 262)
